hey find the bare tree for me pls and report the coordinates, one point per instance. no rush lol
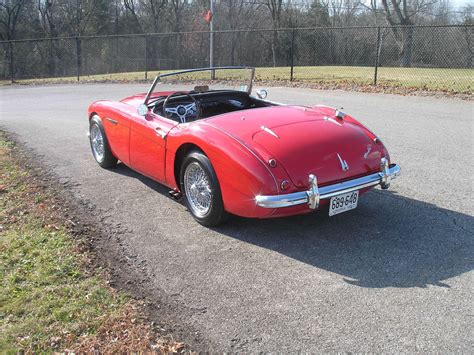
(177, 7)
(275, 8)
(469, 33)
(400, 14)
(154, 10)
(236, 15)
(10, 11)
(47, 9)
(132, 8)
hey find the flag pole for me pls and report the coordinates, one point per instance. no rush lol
(211, 37)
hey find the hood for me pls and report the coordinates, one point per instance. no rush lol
(305, 141)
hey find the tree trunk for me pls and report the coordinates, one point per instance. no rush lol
(406, 47)
(232, 49)
(51, 60)
(274, 47)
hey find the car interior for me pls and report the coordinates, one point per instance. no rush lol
(198, 104)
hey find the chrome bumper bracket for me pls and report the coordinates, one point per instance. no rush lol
(313, 193)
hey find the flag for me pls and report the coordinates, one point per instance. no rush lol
(208, 16)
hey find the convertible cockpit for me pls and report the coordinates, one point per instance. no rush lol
(231, 91)
(187, 107)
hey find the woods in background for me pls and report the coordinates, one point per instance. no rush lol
(333, 43)
(56, 18)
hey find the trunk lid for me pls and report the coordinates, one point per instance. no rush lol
(305, 141)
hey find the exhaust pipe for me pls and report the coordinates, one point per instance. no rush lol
(175, 195)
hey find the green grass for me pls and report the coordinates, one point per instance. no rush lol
(450, 80)
(48, 299)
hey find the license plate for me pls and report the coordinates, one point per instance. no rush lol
(343, 203)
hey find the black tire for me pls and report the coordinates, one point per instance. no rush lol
(107, 159)
(216, 214)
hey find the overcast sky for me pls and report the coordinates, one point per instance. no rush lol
(461, 3)
(454, 3)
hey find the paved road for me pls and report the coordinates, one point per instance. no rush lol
(393, 275)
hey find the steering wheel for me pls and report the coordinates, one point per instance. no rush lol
(182, 110)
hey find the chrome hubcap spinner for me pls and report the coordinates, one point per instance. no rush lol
(198, 189)
(97, 142)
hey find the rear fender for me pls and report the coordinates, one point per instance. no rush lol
(240, 172)
(331, 112)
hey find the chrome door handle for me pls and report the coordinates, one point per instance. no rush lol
(159, 132)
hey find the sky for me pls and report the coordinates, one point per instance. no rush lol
(456, 4)
(461, 3)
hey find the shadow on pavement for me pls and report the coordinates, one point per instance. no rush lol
(388, 241)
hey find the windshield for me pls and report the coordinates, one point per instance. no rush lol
(203, 80)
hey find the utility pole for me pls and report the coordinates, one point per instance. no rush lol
(211, 34)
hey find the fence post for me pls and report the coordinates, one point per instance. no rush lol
(78, 56)
(377, 53)
(12, 67)
(292, 53)
(146, 56)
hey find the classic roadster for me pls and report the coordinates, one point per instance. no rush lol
(226, 151)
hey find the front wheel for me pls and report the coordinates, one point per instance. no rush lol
(100, 145)
(201, 190)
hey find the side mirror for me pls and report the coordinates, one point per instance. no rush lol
(142, 109)
(262, 93)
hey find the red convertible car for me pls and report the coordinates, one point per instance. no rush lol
(226, 151)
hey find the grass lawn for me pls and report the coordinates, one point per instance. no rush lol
(450, 80)
(50, 299)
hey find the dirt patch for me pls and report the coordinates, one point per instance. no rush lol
(127, 332)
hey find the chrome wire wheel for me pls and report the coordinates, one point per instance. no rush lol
(97, 142)
(198, 189)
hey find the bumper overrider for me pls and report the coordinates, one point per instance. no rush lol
(315, 193)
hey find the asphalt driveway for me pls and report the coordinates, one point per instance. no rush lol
(395, 274)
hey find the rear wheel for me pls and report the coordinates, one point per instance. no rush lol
(99, 144)
(201, 190)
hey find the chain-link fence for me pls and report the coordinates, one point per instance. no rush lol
(424, 57)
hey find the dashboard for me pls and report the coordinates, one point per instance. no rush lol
(183, 109)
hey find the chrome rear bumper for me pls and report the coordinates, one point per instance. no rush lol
(315, 193)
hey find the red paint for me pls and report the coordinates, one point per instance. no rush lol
(309, 139)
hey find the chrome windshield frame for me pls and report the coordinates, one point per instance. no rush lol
(210, 69)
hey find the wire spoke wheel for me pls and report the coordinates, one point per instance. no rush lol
(97, 142)
(198, 189)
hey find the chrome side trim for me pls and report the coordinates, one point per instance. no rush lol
(111, 120)
(344, 165)
(332, 120)
(315, 194)
(269, 131)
